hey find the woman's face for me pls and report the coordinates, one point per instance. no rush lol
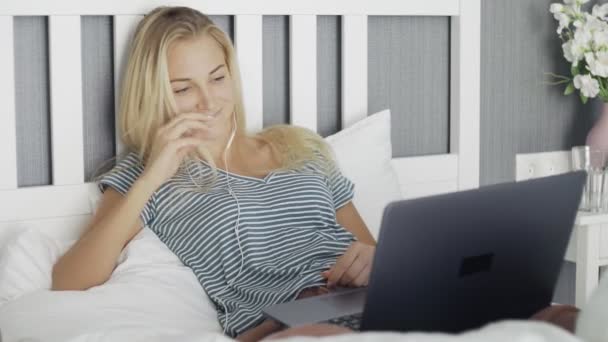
(201, 83)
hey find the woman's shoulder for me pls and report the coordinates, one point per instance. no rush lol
(130, 159)
(125, 163)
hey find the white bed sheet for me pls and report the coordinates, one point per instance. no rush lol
(46, 316)
(105, 314)
(167, 304)
(505, 331)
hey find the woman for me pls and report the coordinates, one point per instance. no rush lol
(260, 219)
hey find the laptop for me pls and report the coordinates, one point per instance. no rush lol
(457, 261)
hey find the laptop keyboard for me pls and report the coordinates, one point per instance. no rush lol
(351, 321)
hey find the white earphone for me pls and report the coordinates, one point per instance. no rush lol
(238, 207)
(238, 215)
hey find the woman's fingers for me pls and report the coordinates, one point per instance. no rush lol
(203, 117)
(184, 126)
(353, 271)
(362, 279)
(178, 144)
(341, 266)
(166, 156)
(200, 117)
(352, 268)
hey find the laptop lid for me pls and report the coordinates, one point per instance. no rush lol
(458, 261)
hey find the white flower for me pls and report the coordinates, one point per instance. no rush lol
(569, 54)
(586, 40)
(593, 23)
(588, 86)
(597, 63)
(583, 37)
(574, 50)
(594, 34)
(600, 40)
(564, 21)
(558, 8)
(572, 10)
(567, 49)
(600, 11)
(575, 3)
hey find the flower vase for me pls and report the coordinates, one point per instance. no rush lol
(597, 138)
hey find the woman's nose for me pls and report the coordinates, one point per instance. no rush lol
(205, 100)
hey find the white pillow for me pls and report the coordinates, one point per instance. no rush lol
(148, 280)
(363, 152)
(26, 262)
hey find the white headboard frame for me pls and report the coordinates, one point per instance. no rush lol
(423, 175)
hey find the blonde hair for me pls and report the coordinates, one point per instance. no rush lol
(146, 98)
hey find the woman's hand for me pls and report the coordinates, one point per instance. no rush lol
(171, 144)
(352, 269)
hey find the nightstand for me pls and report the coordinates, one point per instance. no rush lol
(588, 246)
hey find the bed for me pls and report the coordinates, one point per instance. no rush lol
(150, 295)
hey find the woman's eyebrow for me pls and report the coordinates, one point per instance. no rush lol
(217, 68)
(188, 79)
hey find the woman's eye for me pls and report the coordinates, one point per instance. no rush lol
(218, 79)
(183, 90)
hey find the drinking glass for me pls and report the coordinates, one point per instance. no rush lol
(594, 161)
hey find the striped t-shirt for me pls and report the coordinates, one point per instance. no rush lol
(287, 230)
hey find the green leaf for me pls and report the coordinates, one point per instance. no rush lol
(603, 90)
(583, 98)
(574, 70)
(569, 89)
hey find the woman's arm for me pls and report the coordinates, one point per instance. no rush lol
(92, 259)
(354, 266)
(349, 218)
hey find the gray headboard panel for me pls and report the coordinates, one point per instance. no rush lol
(408, 63)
